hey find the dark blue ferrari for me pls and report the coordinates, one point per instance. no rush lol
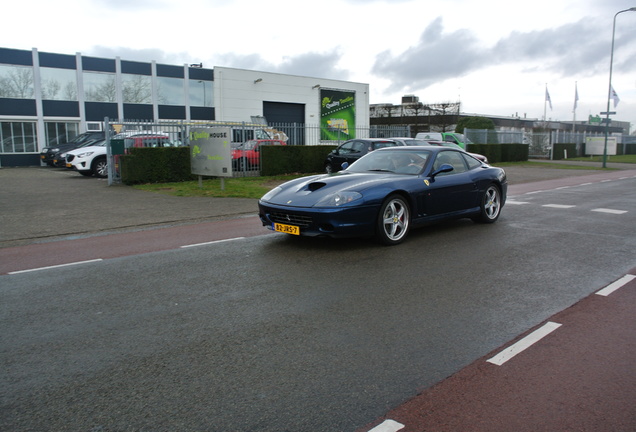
(387, 192)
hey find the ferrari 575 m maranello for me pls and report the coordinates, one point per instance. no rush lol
(386, 193)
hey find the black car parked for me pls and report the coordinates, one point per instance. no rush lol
(352, 150)
(47, 155)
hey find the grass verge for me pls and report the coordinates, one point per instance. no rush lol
(235, 187)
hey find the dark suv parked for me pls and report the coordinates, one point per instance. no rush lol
(352, 150)
(47, 155)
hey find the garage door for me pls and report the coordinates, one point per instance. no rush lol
(288, 118)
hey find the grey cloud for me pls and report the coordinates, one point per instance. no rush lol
(309, 64)
(576, 49)
(437, 57)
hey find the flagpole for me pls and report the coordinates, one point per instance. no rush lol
(576, 98)
(545, 102)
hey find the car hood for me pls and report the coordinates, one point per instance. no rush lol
(87, 149)
(307, 191)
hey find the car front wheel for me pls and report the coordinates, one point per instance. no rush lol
(393, 220)
(100, 167)
(490, 205)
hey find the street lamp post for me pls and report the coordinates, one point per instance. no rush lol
(609, 90)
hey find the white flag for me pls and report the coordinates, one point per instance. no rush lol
(614, 96)
(576, 96)
(547, 97)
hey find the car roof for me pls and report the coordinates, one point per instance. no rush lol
(432, 148)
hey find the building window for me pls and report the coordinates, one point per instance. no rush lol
(201, 93)
(100, 87)
(170, 91)
(137, 89)
(16, 82)
(60, 132)
(58, 84)
(17, 137)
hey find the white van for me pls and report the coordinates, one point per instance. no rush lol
(430, 136)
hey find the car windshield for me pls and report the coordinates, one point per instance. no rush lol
(248, 145)
(396, 161)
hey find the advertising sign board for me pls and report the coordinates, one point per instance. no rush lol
(210, 151)
(337, 114)
(596, 145)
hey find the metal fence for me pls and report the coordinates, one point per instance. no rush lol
(178, 132)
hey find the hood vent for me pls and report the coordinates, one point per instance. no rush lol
(315, 186)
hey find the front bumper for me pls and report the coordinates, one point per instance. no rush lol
(357, 221)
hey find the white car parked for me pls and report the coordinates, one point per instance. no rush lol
(89, 160)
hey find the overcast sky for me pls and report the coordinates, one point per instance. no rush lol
(494, 56)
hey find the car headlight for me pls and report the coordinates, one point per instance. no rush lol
(339, 199)
(86, 154)
(269, 195)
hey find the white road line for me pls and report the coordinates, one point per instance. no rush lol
(559, 206)
(212, 242)
(611, 211)
(388, 426)
(524, 343)
(56, 266)
(516, 202)
(616, 285)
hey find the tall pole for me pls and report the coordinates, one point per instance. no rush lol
(609, 90)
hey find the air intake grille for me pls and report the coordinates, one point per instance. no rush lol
(291, 219)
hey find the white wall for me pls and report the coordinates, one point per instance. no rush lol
(237, 96)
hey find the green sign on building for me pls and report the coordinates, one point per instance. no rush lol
(337, 115)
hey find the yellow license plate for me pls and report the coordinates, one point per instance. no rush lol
(68, 165)
(288, 229)
(41, 156)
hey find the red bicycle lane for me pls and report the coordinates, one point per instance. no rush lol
(574, 372)
(113, 245)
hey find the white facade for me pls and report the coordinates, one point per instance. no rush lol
(239, 94)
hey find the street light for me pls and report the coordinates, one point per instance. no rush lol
(609, 90)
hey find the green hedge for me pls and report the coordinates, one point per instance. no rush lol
(500, 152)
(160, 165)
(294, 159)
(156, 165)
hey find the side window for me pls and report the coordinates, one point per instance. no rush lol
(471, 161)
(358, 147)
(453, 158)
(450, 138)
(346, 148)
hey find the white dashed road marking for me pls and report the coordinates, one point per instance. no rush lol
(524, 343)
(55, 266)
(610, 211)
(559, 206)
(616, 285)
(388, 426)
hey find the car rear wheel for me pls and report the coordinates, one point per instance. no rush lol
(100, 167)
(490, 205)
(393, 220)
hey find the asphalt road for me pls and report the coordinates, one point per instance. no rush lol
(268, 332)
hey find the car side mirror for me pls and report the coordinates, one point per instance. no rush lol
(443, 169)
